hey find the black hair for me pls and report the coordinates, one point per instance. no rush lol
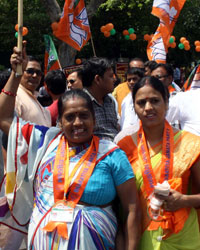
(151, 65)
(92, 67)
(135, 71)
(167, 67)
(56, 81)
(79, 72)
(33, 59)
(79, 93)
(4, 76)
(155, 83)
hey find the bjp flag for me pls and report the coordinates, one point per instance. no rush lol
(51, 61)
(155, 48)
(73, 27)
(193, 80)
(168, 12)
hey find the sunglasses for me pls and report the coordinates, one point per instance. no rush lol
(34, 71)
(71, 81)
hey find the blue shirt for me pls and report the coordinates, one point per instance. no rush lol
(110, 172)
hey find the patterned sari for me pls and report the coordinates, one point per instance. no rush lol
(184, 222)
(29, 192)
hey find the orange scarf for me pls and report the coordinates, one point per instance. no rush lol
(64, 193)
(145, 161)
(172, 222)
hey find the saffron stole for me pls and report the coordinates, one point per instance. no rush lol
(166, 162)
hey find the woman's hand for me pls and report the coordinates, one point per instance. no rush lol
(176, 200)
(173, 202)
(19, 58)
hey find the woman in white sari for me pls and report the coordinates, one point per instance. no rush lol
(61, 182)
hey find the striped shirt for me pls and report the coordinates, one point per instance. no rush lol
(106, 125)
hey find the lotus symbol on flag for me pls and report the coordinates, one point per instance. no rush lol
(51, 58)
(167, 11)
(172, 13)
(76, 33)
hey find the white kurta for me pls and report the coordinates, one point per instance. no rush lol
(128, 115)
(185, 107)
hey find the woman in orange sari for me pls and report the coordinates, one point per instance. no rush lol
(160, 154)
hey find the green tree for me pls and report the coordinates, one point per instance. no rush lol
(39, 14)
(66, 53)
(136, 13)
(35, 19)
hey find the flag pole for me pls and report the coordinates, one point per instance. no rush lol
(59, 63)
(20, 30)
(93, 46)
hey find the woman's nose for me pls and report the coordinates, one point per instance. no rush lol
(77, 120)
(148, 106)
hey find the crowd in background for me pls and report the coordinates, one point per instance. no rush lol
(121, 142)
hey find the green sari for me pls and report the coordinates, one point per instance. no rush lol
(186, 152)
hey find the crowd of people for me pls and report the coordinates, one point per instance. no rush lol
(92, 165)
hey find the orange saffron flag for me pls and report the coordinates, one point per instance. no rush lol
(193, 81)
(73, 27)
(168, 12)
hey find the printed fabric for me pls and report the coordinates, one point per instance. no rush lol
(29, 189)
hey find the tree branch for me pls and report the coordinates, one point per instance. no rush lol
(66, 53)
(93, 6)
(53, 9)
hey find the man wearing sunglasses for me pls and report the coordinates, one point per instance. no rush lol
(165, 73)
(27, 106)
(74, 79)
(29, 109)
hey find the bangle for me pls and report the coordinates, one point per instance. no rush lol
(8, 93)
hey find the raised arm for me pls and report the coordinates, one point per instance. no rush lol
(8, 94)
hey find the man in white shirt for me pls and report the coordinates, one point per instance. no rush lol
(27, 106)
(185, 107)
(29, 109)
(165, 73)
(128, 115)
